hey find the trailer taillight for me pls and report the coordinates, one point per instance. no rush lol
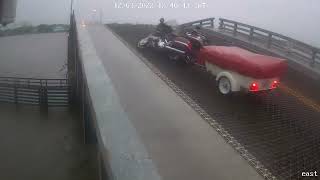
(274, 84)
(254, 87)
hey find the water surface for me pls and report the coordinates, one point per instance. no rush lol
(34, 56)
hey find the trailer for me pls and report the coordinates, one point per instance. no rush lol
(237, 69)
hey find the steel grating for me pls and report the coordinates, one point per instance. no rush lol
(276, 132)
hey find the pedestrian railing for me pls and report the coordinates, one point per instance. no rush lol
(44, 92)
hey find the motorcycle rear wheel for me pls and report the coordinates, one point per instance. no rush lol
(189, 60)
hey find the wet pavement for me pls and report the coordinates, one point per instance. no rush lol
(34, 55)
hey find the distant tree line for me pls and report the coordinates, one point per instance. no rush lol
(29, 29)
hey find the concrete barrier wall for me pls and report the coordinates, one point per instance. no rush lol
(121, 153)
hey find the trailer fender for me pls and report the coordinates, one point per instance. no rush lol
(234, 84)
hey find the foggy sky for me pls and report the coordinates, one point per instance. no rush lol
(299, 19)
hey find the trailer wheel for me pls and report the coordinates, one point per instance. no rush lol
(224, 85)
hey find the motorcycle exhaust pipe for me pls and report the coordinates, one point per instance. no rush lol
(174, 49)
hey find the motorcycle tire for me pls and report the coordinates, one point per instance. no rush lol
(188, 60)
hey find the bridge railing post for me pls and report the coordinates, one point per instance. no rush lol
(72, 55)
(235, 29)
(313, 58)
(15, 92)
(289, 46)
(43, 97)
(221, 24)
(45, 94)
(212, 23)
(251, 34)
(269, 41)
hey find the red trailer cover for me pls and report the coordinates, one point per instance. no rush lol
(242, 61)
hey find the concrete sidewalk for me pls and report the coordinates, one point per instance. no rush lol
(180, 143)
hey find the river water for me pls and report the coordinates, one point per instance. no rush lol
(34, 56)
(38, 144)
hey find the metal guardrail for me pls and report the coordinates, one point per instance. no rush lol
(273, 42)
(44, 92)
(209, 22)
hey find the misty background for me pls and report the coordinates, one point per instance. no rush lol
(298, 19)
